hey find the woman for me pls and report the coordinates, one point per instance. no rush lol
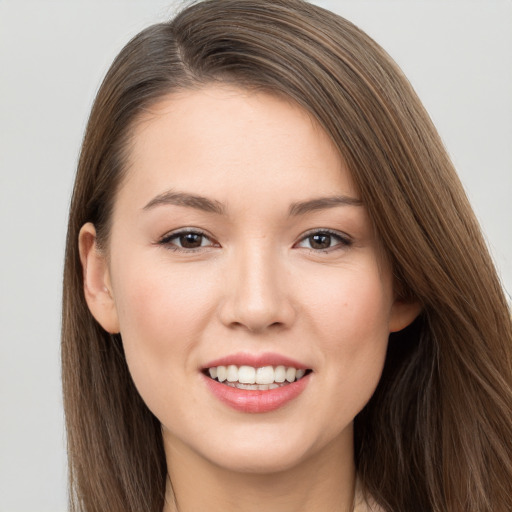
(276, 296)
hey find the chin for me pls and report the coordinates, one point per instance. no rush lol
(264, 452)
(259, 462)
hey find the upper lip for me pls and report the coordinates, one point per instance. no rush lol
(256, 361)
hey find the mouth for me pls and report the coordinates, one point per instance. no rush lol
(252, 378)
(256, 383)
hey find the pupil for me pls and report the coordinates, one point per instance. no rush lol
(321, 241)
(191, 240)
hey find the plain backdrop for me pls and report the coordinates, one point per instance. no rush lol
(457, 54)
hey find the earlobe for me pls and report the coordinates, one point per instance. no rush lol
(403, 313)
(97, 285)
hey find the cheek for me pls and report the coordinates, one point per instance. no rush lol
(159, 301)
(161, 314)
(352, 306)
(351, 321)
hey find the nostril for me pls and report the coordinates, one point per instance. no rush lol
(258, 328)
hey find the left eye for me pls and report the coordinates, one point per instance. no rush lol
(187, 240)
(323, 240)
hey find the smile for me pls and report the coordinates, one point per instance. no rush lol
(256, 379)
(256, 383)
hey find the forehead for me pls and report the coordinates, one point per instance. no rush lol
(220, 140)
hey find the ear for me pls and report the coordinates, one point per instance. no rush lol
(403, 313)
(97, 286)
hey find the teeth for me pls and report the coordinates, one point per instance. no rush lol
(265, 375)
(221, 373)
(290, 374)
(280, 374)
(248, 377)
(232, 373)
(253, 387)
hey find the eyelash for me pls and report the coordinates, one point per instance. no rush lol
(344, 240)
(167, 240)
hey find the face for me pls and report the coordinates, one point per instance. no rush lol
(239, 249)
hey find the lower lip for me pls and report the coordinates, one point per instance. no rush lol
(246, 400)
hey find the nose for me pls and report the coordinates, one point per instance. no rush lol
(257, 295)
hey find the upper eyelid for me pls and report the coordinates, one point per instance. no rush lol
(328, 231)
(172, 234)
(168, 242)
(344, 241)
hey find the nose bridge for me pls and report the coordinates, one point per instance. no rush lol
(257, 295)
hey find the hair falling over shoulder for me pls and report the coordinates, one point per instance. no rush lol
(436, 435)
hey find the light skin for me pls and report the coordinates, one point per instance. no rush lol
(275, 254)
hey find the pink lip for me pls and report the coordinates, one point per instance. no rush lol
(256, 361)
(256, 401)
(250, 401)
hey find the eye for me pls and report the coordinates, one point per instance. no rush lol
(187, 240)
(324, 240)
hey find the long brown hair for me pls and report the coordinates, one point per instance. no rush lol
(437, 434)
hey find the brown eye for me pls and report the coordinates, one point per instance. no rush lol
(325, 241)
(187, 240)
(190, 240)
(320, 241)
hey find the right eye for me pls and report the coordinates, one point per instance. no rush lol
(186, 240)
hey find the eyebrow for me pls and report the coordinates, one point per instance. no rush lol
(211, 206)
(322, 203)
(183, 199)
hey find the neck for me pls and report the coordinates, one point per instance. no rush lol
(324, 481)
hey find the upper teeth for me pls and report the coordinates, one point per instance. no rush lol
(251, 375)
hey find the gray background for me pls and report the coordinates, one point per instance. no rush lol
(457, 54)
